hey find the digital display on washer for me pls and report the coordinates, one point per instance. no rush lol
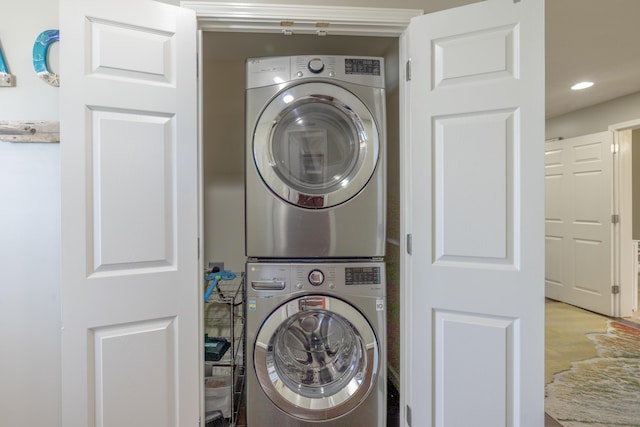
(367, 67)
(362, 275)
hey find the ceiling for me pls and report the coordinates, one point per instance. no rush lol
(594, 40)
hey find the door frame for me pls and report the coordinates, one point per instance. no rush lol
(623, 266)
(320, 20)
(301, 19)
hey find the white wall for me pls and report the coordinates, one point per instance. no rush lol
(29, 231)
(594, 119)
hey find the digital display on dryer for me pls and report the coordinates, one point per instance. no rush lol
(362, 275)
(367, 67)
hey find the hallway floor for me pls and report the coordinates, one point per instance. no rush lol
(592, 365)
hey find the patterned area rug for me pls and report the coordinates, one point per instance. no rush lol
(603, 391)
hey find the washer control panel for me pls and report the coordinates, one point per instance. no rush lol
(353, 277)
(362, 276)
(316, 277)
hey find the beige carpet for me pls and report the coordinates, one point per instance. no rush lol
(566, 341)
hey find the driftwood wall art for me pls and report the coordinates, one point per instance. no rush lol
(29, 131)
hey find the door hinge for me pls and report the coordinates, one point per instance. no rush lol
(614, 148)
(408, 70)
(408, 415)
(615, 289)
(615, 218)
(409, 244)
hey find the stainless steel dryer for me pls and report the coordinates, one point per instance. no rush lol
(315, 157)
(316, 344)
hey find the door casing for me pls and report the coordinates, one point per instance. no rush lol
(353, 21)
(623, 265)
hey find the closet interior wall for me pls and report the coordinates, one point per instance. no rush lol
(224, 56)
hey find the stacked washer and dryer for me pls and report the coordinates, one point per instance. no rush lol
(315, 238)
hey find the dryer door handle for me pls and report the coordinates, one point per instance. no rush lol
(268, 285)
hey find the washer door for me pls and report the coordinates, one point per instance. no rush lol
(316, 357)
(316, 145)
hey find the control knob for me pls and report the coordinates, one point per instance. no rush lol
(316, 65)
(316, 277)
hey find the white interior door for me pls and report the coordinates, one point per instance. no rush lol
(579, 229)
(130, 354)
(473, 349)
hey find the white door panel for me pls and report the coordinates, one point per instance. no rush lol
(579, 232)
(475, 191)
(129, 219)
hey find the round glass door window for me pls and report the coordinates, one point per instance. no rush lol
(317, 353)
(316, 145)
(320, 361)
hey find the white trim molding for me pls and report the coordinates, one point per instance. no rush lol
(301, 19)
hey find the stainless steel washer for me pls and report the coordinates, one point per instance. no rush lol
(315, 157)
(316, 344)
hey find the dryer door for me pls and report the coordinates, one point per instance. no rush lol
(316, 357)
(316, 145)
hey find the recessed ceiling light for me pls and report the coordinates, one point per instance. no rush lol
(581, 85)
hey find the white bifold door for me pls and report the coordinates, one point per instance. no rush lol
(129, 215)
(474, 184)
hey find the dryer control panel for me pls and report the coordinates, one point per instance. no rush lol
(363, 70)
